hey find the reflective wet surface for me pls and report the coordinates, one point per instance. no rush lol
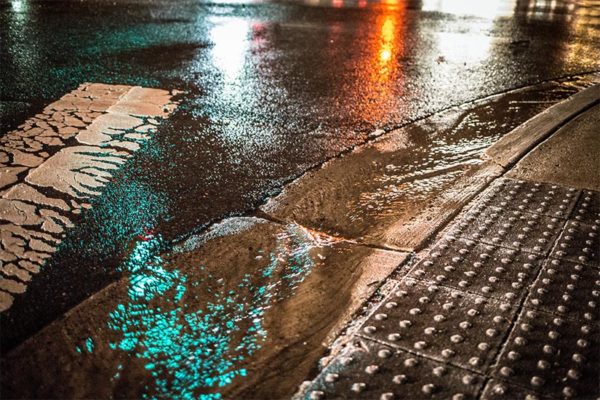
(242, 311)
(372, 193)
(270, 89)
(502, 306)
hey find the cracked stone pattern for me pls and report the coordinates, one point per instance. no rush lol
(542, 320)
(52, 164)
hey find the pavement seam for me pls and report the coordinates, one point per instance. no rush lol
(429, 240)
(513, 146)
(279, 221)
(257, 209)
(506, 168)
(384, 132)
(424, 243)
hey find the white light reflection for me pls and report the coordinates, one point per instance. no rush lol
(470, 48)
(18, 6)
(231, 55)
(477, 8)
(231, 43)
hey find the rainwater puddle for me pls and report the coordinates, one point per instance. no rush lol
(436, 152)
(195, 321)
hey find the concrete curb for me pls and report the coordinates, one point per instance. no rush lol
(502, 156)
(514, 145)
(498, 160)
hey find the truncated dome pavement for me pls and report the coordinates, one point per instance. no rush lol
(504, 306)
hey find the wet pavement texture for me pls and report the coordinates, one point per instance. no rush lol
(472, 320)
(371, 193)
(270, 91)
(400, 181)
(186, 324)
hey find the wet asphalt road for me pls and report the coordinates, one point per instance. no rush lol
(271, 90)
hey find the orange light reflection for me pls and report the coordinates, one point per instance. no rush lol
(387, 40)
(385, 48)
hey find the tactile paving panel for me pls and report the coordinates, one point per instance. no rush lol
(552, 355)
(533, 197)
(579, 242)
(498, 390)
(568, 289)
(480, 268)
(369, 370)
(588, 206)
(509, 228)
(448, 325)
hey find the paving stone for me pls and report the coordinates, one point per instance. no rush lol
(441, 323)
(523, 245)
(499, 390)
(579, 242)
(509, 228)
(369, 370)
(587, 207)
(552, 355)
(568, 289)
(533, 197)
(480, 268)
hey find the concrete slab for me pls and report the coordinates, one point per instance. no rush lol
(250, 302)
(414, 232)
(443, 324)
(570, 157)
(567, 289)
(379, 195)
(543, 345)
(371, 370)
(553, 356)
(479, 268)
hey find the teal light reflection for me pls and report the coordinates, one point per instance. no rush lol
(89, 345)
(189, 351)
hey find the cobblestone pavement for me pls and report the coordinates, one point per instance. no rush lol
(504, 306)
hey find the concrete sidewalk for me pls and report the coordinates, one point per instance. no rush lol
(182, 323)
(505, 304)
